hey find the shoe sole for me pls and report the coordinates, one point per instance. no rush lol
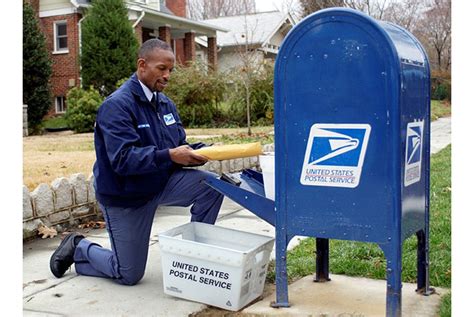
(65, 240)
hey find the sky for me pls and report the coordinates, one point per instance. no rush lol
(268, 5)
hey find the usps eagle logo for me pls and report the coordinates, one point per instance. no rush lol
(335, 155)
(413, 152)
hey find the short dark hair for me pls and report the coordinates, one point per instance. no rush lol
(152, 44)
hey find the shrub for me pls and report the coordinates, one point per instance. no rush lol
(442, 92)
(440, 85)
(109, 45)
(261, 97)
(120, 82)
(82, 106)
(196, 93)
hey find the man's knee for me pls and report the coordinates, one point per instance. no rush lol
(131, 277)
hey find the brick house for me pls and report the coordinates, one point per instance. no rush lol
(61, 20)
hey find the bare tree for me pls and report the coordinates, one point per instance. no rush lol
(378, 9)
(292, 7)
(374, 8)
(310, 6)
(428, 20)
(435, 30)
(210, 9)
(405, 13)
(248, 55)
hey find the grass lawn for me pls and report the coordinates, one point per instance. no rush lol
(367, 259)
(440, 108)
(61, 154)
(55, 123)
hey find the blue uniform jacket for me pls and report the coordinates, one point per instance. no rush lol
(132, 140)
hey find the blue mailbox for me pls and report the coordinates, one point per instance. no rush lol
(352, 140)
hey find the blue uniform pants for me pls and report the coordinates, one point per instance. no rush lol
(129, 228)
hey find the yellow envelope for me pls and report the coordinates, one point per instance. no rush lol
(230, 151)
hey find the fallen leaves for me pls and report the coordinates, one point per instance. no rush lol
(46, 232)
(93, 225)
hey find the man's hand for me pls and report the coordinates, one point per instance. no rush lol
(184, 155)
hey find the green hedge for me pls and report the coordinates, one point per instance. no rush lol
(197, 93)
(440, 85)
(82, 106)
(260, 83)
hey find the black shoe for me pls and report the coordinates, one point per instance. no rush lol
(63, 257)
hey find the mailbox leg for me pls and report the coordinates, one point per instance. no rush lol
(393, 254)
(322, 260)
(280, 272)
(423, 236)
(422, 279)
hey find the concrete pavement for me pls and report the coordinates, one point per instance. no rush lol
(440, 134)
(72, 295)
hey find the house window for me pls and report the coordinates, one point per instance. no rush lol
(60, 107)
(200, 56)
(60, 37)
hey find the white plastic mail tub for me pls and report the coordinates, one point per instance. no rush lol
(217, 266)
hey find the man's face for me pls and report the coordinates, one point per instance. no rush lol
(154, 70)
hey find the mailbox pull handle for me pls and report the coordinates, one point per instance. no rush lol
(231, 179)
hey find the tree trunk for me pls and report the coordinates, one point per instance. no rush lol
(247, 101)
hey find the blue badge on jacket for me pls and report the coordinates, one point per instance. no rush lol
(169, 119)
(145, 125)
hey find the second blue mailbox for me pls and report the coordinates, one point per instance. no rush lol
(352, 122)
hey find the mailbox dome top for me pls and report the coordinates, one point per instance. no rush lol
(404, 47)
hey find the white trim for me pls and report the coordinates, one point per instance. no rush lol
(79, 26)
(282, 23)
(270, 48)
(202, 27)
(55, 38)
(155, 34)
(200, 41)
(74, 3)
(60, 52)
(56, 104)
(50, 13)
(138, 20)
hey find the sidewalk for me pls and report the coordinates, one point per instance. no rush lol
(72, 295)
(440, 134)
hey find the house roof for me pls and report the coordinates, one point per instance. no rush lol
(255, 28)
(156, 18)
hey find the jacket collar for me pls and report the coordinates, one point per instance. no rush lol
(137, 90)
(149, 95)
